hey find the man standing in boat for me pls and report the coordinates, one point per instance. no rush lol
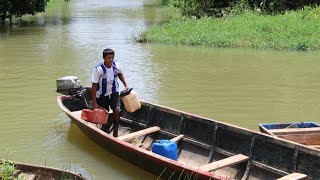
(105, 87)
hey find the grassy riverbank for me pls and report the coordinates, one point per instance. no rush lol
(294, 30)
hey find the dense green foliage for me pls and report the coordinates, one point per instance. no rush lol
(218, 8)
(18, 8)
(294, 30)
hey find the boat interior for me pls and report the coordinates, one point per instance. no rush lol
(205, 144)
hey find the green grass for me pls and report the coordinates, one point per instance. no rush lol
(7, 168)
(55, 3)
(294, 30)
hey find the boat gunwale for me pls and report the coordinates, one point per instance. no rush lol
(234, 128)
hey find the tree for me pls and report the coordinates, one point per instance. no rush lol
(18, 8)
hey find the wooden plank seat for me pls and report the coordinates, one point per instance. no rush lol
(139, 133)
(293, 176)
(176, 139)
(224, 162)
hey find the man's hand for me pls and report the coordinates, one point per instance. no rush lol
(126, 87)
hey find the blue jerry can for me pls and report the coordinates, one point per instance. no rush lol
(166, 148)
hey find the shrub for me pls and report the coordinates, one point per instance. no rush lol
(218, 8)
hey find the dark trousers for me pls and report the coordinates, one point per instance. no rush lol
(113, 101)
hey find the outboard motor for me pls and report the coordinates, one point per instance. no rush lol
(70, 85)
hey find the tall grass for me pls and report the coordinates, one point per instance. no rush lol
(7, 168)
(293, 30)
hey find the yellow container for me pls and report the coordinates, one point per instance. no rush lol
(130, 100)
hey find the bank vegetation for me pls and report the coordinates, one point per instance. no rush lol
(10, 9)
(283, 25)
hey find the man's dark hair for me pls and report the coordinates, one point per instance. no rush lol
(107, 52)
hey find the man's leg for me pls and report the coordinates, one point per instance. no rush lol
(115, 106)
(105, 102)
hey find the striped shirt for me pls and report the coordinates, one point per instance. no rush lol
(106, 78)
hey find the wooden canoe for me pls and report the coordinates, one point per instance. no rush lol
(306, 133)
(207, 149)
(34, 172)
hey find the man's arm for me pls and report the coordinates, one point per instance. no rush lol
(123, 80)
(93, 94)
(95, 80)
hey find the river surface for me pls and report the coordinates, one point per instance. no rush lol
(244, 87)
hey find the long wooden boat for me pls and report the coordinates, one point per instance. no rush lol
(207, 149)
(33, 172)
(306, 133)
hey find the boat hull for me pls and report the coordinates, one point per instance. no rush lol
(268, 127)
(269, 157)
(305, 133)
(155, 164)
(43, 172)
